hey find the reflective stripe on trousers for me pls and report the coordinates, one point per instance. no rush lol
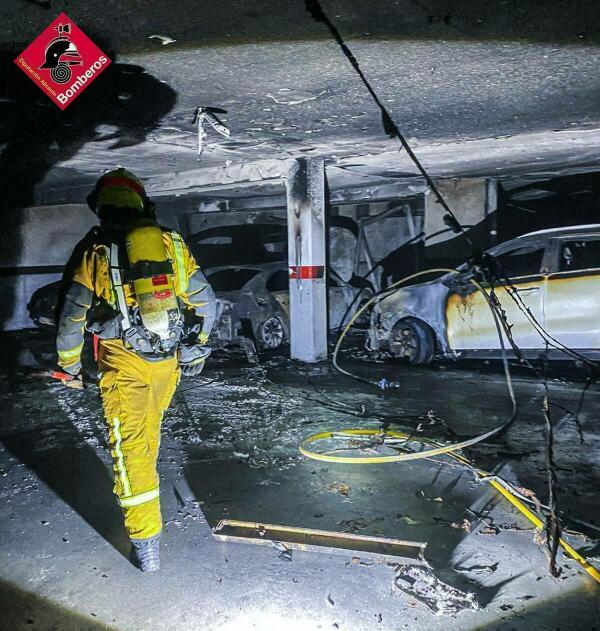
(140, 498)
(135, 393)
(120, 467)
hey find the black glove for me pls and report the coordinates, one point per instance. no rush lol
(192, 370)
(192, 358)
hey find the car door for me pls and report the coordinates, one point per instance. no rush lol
(470, 323)
(573, 292)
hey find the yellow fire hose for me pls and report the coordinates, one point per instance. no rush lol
(503, 487)
(509, 384)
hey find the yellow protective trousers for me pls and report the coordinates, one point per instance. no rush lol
(135, 395)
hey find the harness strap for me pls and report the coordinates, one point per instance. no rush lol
(180, 271)
(115, 274)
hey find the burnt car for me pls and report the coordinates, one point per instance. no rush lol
(254, 303)
(556, 274)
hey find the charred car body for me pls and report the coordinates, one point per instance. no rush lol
(254, 303)
(556, 274)
(247, 309)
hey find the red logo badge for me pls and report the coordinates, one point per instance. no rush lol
(62, 60)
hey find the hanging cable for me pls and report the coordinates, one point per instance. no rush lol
(553, 525)
(391, 129)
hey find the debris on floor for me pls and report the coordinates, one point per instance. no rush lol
(230, 452)
(287, 538)
(339, 487)
(360, 523)
(420, 584)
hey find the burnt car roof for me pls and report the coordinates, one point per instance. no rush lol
(261, 267)
(218, 275)
(241, 244)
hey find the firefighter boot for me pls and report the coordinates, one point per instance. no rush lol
(145, 554)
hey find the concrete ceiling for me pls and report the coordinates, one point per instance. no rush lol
(498, 90)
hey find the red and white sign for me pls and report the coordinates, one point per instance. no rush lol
(62, 60)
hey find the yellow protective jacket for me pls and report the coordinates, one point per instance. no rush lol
(90, 285)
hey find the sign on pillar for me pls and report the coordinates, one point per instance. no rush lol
(307, 260)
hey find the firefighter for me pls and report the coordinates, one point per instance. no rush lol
(138, 289)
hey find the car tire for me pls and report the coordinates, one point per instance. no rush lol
(271, 333)
(412, 340)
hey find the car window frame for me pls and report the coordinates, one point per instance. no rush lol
(269, 275)
(556, 244)
(518, 244)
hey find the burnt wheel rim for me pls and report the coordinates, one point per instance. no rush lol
(271, 332)
(404, 342)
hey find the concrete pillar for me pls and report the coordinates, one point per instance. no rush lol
(307, 260)
(474, 202)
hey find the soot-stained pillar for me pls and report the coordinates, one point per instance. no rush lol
(307, 262)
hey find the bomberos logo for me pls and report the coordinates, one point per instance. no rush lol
(62, 61)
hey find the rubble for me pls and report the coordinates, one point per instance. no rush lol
(419, 583)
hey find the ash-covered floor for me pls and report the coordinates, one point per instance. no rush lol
(230, 451)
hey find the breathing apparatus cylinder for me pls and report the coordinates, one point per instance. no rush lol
(152, 281)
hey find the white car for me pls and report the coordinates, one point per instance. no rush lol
(557, 275)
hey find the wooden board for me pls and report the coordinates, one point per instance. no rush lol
(309, 539)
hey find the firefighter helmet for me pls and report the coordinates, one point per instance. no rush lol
(121, 189)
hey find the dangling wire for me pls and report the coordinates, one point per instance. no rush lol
(487, 261)
(208, 115)
(389, 126)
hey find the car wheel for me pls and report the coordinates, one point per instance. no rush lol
(412, 340)
(271, 333)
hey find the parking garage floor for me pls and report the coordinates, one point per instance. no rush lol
(230, 451)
